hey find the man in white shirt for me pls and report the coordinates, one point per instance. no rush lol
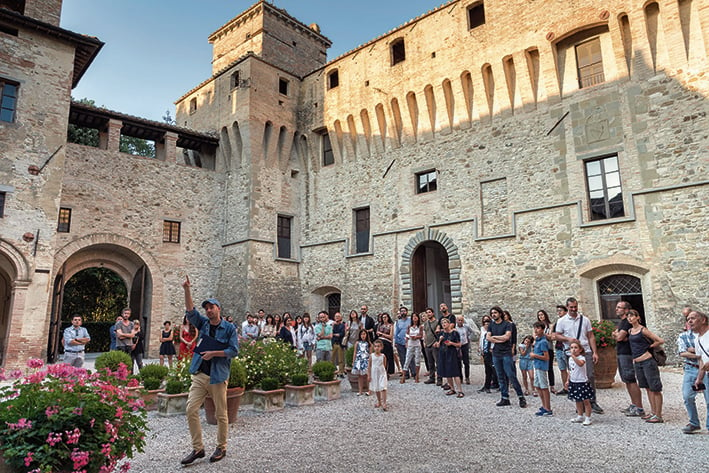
(575, 326)
(699, 324)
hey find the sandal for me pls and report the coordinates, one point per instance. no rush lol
(460, 395)
(646, 416)
(653, 419)
(450, 393)
(377, 405)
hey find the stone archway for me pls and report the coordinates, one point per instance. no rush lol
(454, 267)
(125, 257)
(14, 281)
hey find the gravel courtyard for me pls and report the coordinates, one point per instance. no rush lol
(426, 431)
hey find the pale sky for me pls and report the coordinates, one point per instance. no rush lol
(157, 50)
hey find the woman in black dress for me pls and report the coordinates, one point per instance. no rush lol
(448, 360)
(167, 348)
(385, 333)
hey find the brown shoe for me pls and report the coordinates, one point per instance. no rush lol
(192, 457)
(218, 454)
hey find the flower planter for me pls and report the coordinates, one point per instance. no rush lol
(172, 404)
(269, 401)
(327, 390)
(233, 400)
(150, 399)
(605, 369)
(300, 395)
(354, 383)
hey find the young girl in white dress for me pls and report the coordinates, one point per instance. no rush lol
(378, 374)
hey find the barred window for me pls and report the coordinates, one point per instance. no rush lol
(170, 231)
(64, 224)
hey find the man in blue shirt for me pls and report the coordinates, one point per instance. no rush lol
(75, 339)
(402, 325)
(210, 368)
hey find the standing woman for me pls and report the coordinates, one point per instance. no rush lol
(285, 334)
(278, 322)
(269, 328)
(136, 353)
(448, 360)
(306, 338)
(646, 370)
(353, 328)
(414, 335)
(507, 317)
(385, 332)
(188, 337)
(486, 354)
(167, 348)
(543, 317)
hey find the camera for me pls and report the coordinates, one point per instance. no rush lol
(698, 387)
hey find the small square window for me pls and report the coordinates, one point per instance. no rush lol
(64, 224)
(398, 52)
(170, 231)
(8, 101)
(476, 15)
(193, 105)
(333, 79)
(283, 86)
(284, 236)
(426, 181)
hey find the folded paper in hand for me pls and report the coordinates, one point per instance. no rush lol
(207, 343)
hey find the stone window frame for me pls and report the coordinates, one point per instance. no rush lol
(193, 105)
(283, 86)
(588, 74)
(599, 182)
(327, 153)
(171, 231)
(333, 79)
(397, 51)
(475, 13)
(9, 96)
(235, 80)
(427, 189)
(284, 242)
(360, 236)
(64, 220)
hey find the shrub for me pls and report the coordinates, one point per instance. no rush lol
(349, 353)
(174, 386)
(299, 379)
(61, 418)
(179, 375)
(603, 332)
(324, 370)
(151, 383)
(153, 371)
(270, 360)
(112, 360)
(237, 374)
(269, 384)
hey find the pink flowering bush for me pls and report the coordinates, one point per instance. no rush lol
(62, 419)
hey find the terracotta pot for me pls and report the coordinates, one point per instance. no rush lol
(150, 398)
(327, 390)
(300, 395)
(269, 401)
(605, 369)
(233, 401)
(354, 383)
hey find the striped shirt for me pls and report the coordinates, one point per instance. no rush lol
(684, 342)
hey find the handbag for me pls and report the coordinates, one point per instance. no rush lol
(658, 354)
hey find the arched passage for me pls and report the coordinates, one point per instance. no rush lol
(430, 272)
(14, 280)
(119, 256)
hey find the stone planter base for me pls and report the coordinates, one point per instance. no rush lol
(269, 401)
(300, 395)
(233, 400)
(327, 390)
(172, 404)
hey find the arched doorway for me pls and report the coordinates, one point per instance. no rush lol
(327, 298)
(124, 262)
(5, 305)
(430, 276)
(620, 287)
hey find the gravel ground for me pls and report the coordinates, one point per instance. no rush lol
(424, 431)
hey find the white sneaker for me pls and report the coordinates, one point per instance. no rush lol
(577, 419)
(587, 421)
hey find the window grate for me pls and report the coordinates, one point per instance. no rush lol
(621, 284)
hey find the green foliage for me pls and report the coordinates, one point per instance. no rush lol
(264, 359)
(603, 331)
(269, 384)
(324, 370)
(153, 371)
(96, 294)
(237, 374)
(349, 353)
(112, 360)
(137, 146)
(151, 384)
(82, 135)
(61, 418)
(299, 379)
(179, 378)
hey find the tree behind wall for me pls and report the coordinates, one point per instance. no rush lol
(97, 294)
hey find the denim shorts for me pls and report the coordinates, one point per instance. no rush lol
(541, 379)
(626, 370)
(561, 360)
(307, 346)
(648, 375)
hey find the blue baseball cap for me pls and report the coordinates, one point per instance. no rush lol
(211, 301)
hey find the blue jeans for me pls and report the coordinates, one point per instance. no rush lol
(689, 395)
(506, 373)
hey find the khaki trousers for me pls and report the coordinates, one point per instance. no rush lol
(338, 358)
(198, 391)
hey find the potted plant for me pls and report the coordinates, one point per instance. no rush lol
(353, 379)
(300, 392)
(152, 377)
(607, 365)
(269, 397)
(234, 391)
(62, 418)
(327, 388)
(174, 400)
